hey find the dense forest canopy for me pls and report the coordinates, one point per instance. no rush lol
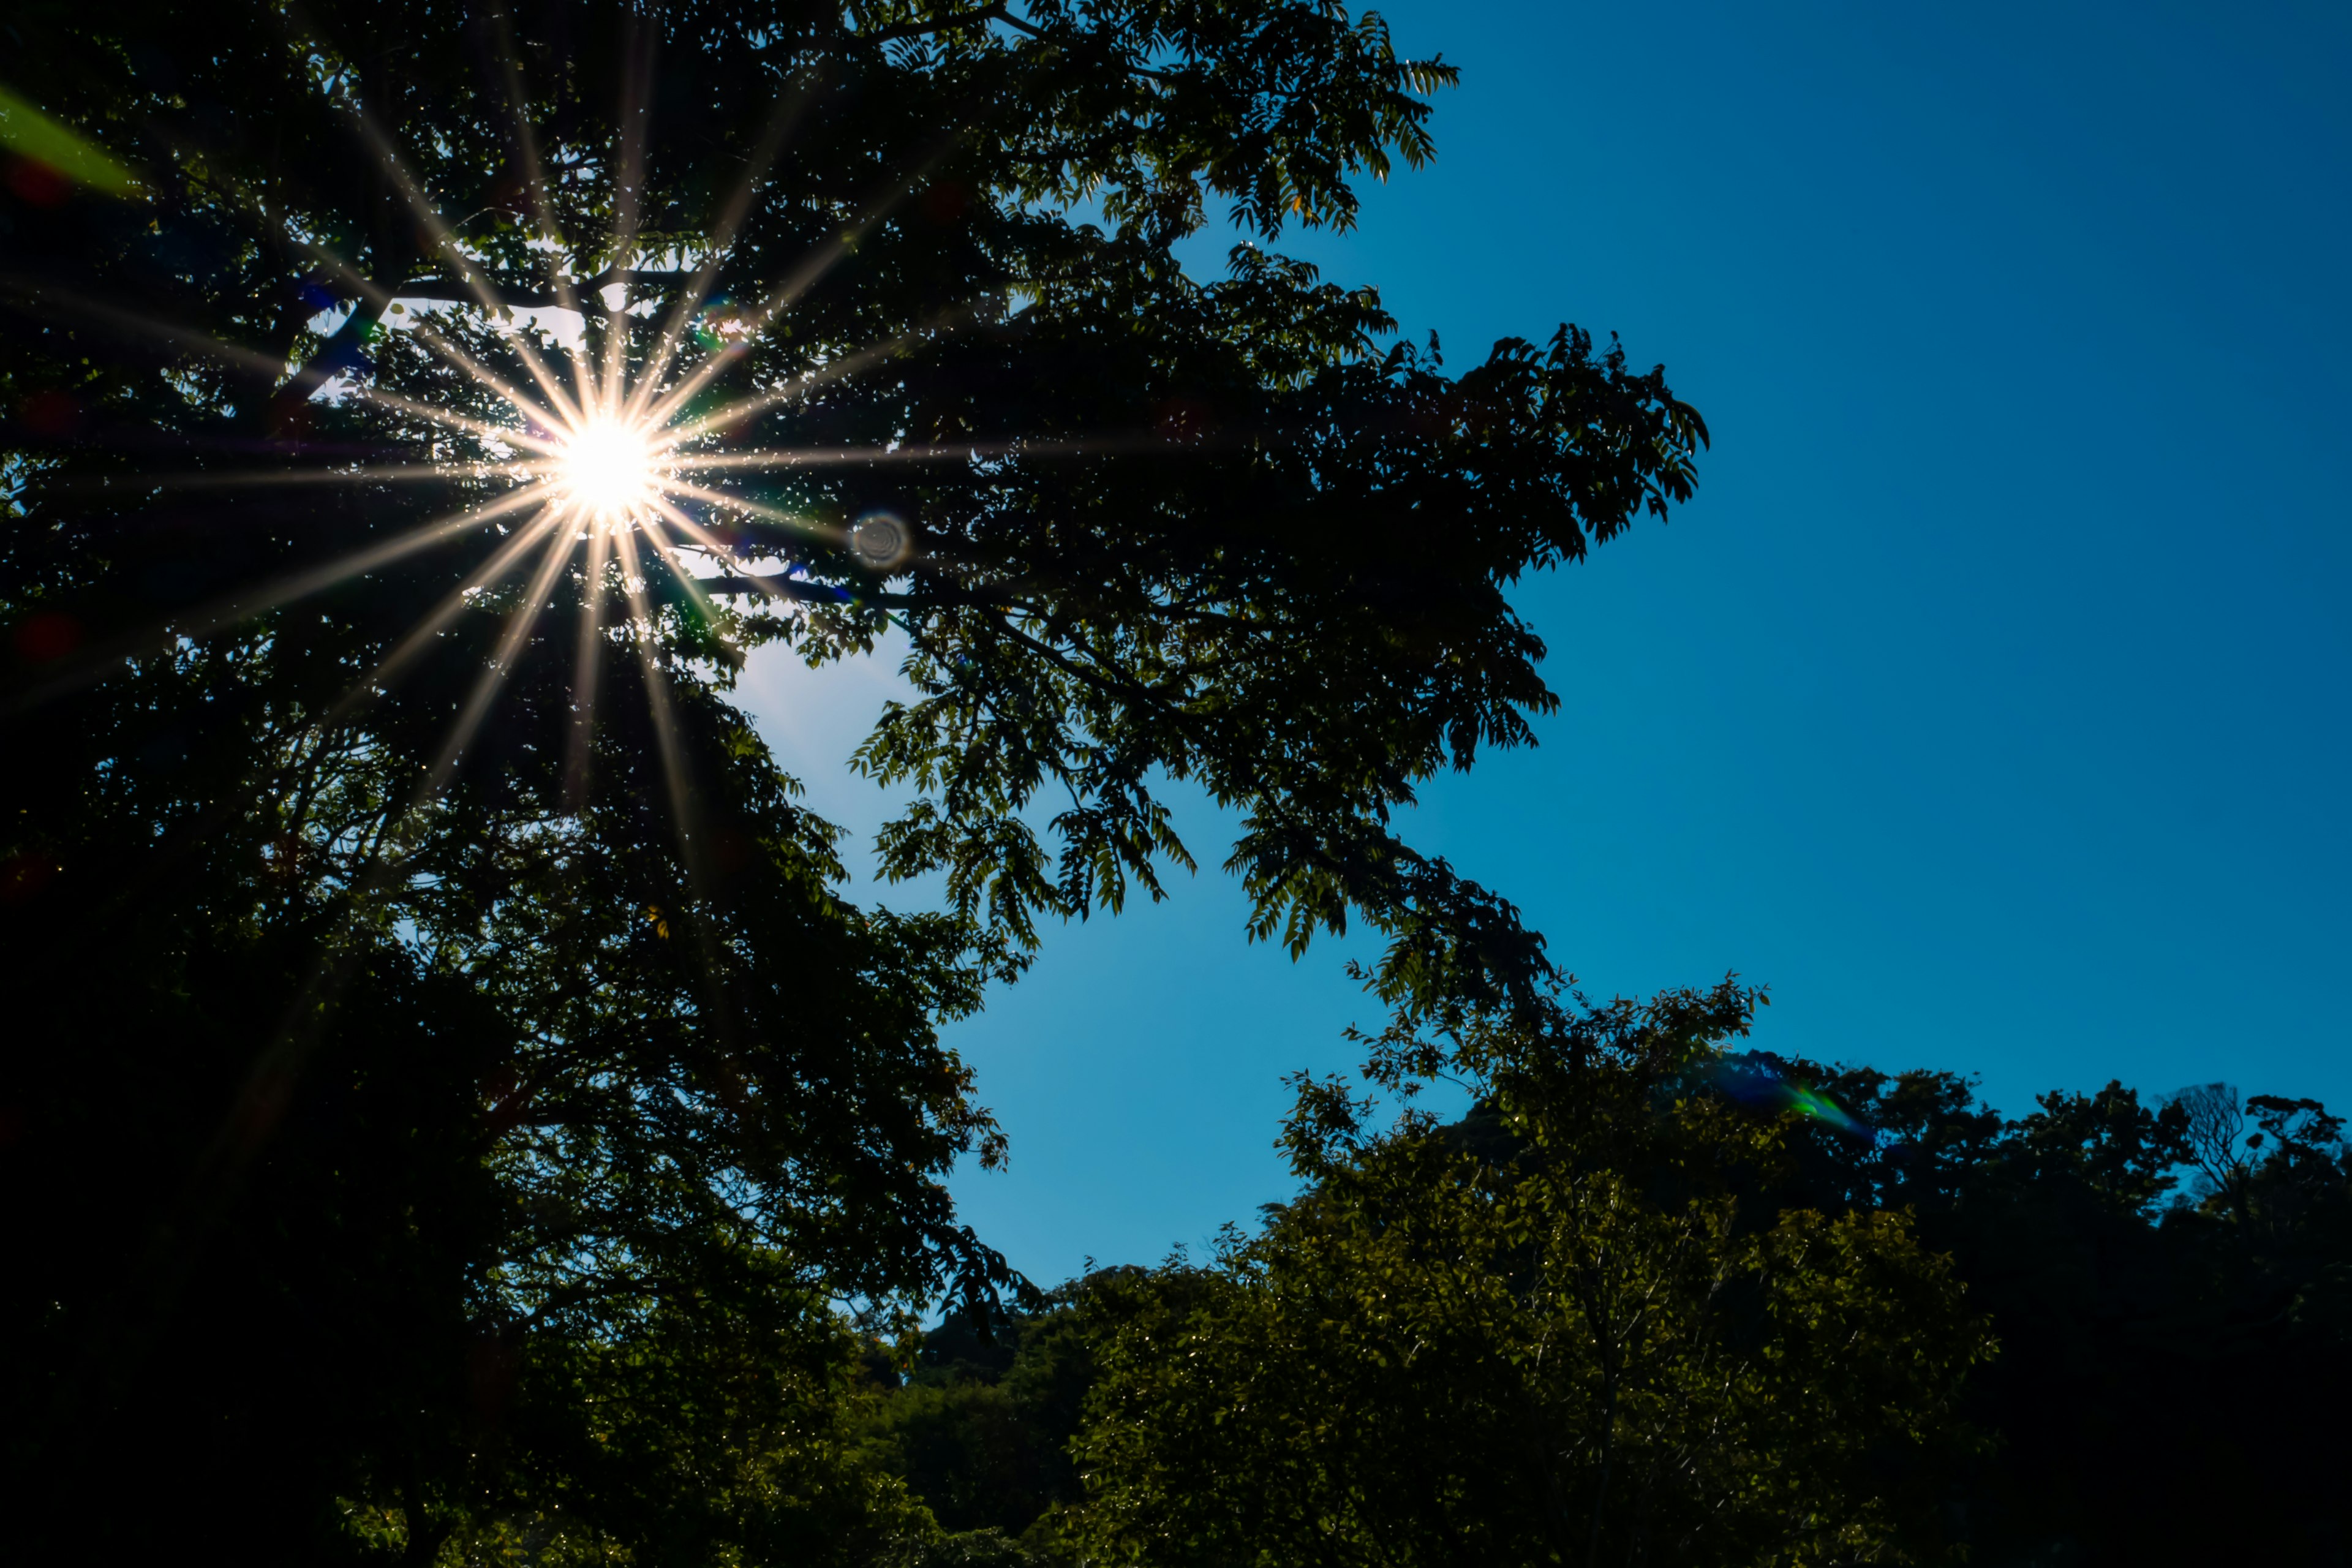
(1661, 1297)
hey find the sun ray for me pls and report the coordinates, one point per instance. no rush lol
(587, 665)
(807, 526)
(383, 300)
(496, 669)
(516, 340)
(617, 458)
(788, 109)
(480, 429)
(715, 547)
(366, 473)
(807, 380)
(422, 636)
(616, 474)
(558, 277)
(821, 261)
(685, 818)
(628, 177)
(687, 582)
(940, 452)
(603, 457)
(446, 241)
(243, 604)
(132, 321)
(658, 696)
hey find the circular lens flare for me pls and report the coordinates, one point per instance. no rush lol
(880, 541)
(609, 470)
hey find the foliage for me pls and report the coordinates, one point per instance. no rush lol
(360, 1048)
(2168, 1355)
(982, 1426)
(2163, 1281)
(1586, 1352)
(720, 1429)
(1169, 500)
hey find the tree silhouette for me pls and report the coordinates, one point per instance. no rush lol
(445, 1060)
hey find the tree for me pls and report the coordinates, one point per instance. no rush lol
(2167, 1369)
(1587, 1350)
(424, 966)
(980, 1428)
(2166, 1356)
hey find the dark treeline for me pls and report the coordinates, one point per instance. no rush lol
(2138, 1352)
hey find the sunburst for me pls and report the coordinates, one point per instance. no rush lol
(593, 448)
(595, 454)
(577, 449)
(610, 470)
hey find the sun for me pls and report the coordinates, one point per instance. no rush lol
(609, 470)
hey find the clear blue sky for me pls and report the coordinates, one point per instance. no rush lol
(1988, 704)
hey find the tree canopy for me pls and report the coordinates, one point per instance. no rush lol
(1569, 1341)
(449, 1077)
(1426, 1353)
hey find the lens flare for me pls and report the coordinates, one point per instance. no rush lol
(880, 541)
(1754, 1080)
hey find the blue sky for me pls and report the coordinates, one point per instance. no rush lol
(1990, 702)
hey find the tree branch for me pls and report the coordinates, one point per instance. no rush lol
(582, 289)
(995, 12)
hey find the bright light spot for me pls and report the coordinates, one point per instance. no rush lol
(609, 470)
